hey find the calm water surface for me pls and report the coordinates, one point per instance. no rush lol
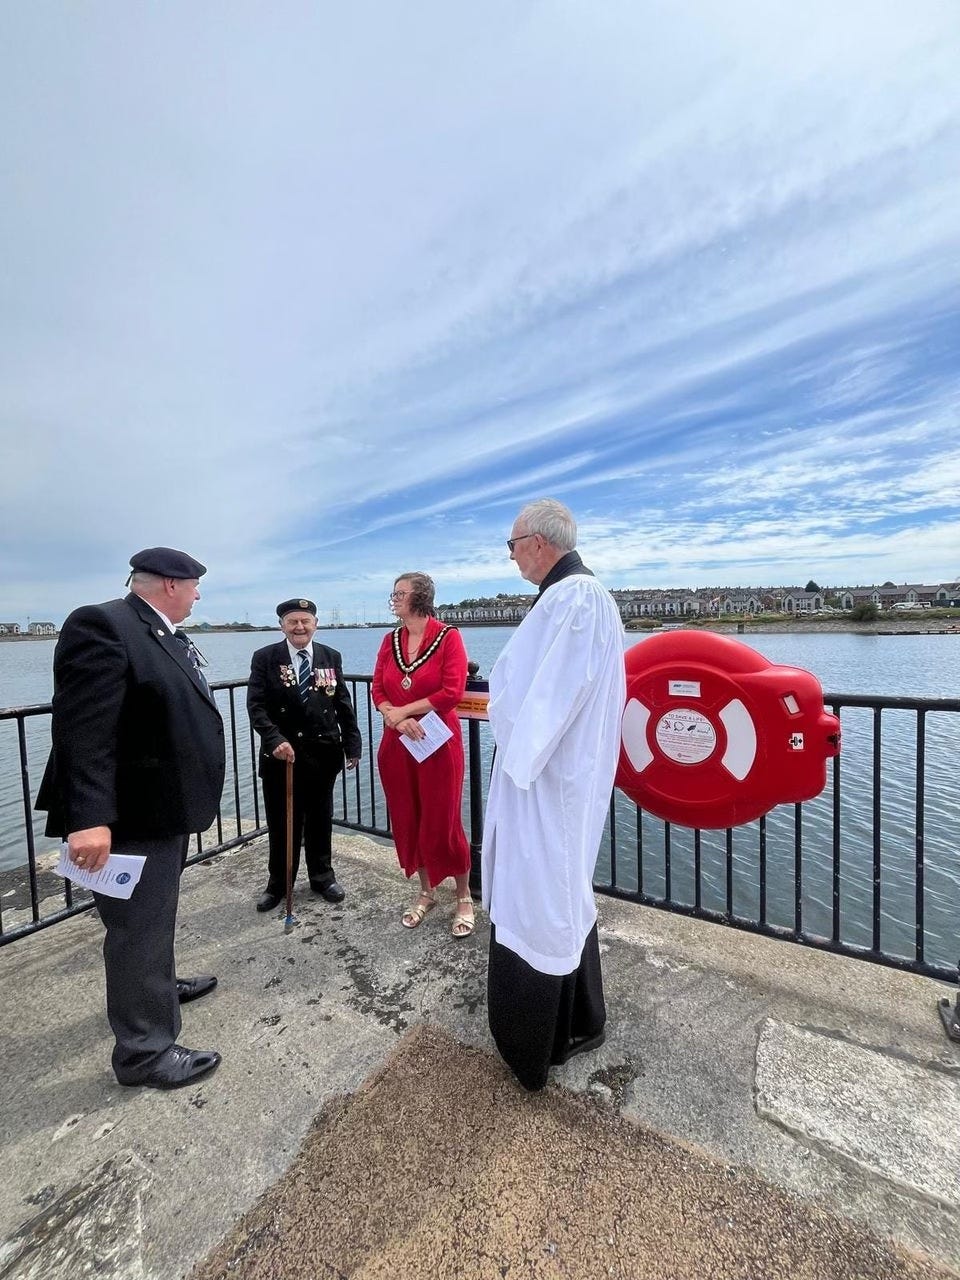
(904, 666)
(845, 663)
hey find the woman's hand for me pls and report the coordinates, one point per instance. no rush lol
(393, 717)
(410, 727)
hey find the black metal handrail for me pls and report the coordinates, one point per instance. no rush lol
(823, 874)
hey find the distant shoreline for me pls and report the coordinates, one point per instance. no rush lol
(200, 631)
(879, 627)
(744, 626)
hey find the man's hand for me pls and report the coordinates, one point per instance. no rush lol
(352, 761)
(284, 752)
(89, 849)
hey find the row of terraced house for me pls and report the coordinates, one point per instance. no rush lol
(31, 629)
(714, 602)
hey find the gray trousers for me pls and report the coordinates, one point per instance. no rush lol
(142, 1003)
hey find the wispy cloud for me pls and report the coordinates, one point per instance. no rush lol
(325, 296)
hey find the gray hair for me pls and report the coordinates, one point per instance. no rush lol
(552, 520)
(143, 582)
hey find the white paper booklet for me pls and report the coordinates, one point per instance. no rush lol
(436, 734)
(117, 878)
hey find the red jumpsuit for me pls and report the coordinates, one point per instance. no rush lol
(424, 799)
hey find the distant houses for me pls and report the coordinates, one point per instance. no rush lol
(718, 602)
(33, 629)
(913, 594)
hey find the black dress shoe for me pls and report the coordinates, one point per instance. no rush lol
(193, 988)
(177, 1067)
(332, 892)
(267, 901)
(580, 1044)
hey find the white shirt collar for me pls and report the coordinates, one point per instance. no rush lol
(162, 616)
(295, 653)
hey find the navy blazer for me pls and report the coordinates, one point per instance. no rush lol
(137, 737)
(279, 715)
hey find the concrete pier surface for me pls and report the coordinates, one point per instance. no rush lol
(758, 1109)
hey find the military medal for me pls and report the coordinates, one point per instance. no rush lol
(408, 668)
(325, 678)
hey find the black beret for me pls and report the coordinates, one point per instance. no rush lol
(294, 606)
(167, 563)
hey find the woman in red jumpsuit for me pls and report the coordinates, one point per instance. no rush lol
(422, 667)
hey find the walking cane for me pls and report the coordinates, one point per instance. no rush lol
(291, 921)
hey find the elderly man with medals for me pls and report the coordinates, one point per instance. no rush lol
(301, 708)
(557, 694)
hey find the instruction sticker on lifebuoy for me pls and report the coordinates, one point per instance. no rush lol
(686, 736)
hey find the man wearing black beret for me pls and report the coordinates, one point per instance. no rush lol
(300, 706)
(137, 764)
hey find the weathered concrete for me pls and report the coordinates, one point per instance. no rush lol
(708, 1028)
(891, 1117)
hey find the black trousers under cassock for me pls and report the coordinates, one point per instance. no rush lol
(534, 1016)
(315, 772)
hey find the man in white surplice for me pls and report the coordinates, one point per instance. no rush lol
(556, 700)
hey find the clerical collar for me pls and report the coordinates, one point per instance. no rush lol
(564, 568)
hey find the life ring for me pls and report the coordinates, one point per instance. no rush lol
(714, 735)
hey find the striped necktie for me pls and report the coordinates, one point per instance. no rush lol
(303, 680)
(193, 654)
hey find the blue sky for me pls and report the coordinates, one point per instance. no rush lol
(322, 295)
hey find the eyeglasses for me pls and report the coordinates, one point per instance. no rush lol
(512, 542)
(398, 595)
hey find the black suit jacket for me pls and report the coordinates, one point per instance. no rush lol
(278, 714)
(137, 738)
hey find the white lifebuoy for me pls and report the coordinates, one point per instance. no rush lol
(686, 736)
(741, 740)
(634, 726)
(714, 735)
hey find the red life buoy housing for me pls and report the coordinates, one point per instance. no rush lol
(714, 735)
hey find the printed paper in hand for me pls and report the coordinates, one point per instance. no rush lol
(117, 878)
(436, 734)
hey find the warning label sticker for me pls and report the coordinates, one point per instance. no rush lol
(683, 688)
(686, 736)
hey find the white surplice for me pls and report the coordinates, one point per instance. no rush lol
(557, 694)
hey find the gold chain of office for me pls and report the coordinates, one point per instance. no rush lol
(409, 667)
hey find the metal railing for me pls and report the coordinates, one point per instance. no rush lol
(868, 869)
